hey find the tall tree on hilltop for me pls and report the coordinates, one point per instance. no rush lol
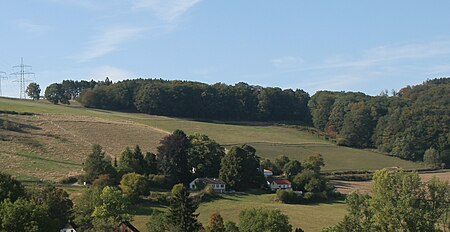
(55, 93)
(173, 156)
(33, 91)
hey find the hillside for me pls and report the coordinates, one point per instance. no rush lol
(54, 142)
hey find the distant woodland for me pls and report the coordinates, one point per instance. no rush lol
(411, 123)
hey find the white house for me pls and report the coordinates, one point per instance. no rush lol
(267, 173)
(280, 184)
(69, 227)
(199, 183)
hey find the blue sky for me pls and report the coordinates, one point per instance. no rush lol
(346, 45)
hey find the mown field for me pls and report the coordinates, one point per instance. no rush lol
(311, 217)
(59, 137)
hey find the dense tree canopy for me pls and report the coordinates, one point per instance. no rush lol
(34, 91)
(24, 215)
(204, 155)
(173, 156)
(10, 188)
(264, 219)
(240, 168)
(55, 94)
(57, 203)
(132, 161)
(197, 100)
(404, 125)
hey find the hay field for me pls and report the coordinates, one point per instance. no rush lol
(347, 187)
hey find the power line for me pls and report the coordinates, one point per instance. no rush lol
(22, 73)
(1, 78)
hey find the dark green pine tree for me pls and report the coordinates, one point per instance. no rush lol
(182, 210)
(96, 164)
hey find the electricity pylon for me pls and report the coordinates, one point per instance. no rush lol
(2, 76)
(21, 74)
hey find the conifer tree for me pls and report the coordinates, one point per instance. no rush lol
(182, 210)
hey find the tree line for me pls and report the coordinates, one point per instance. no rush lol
(188, 99)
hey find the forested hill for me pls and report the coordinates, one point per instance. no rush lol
(414, 120)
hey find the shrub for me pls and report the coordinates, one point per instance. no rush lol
(159, 181)
(69, 180)
(289, 196)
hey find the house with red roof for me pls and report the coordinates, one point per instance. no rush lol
(280, 184)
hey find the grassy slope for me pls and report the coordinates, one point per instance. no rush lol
(64, 135)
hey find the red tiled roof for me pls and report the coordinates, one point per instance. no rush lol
(282, 182)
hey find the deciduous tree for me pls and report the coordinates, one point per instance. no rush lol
(264, 219)
(173, 156)
(10, 188)
(33, 91)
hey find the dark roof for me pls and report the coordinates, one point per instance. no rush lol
(282, 181)
(128, 225)
(210, 180)
(70, 225)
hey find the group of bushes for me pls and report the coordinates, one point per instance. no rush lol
(308, 184)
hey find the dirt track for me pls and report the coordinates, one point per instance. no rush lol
(346, 187)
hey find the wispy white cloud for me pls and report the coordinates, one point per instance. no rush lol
(168, 10)
(113, 73)
(109, 41)
(287, 62)
(383, 55)
(336, 83)
(32, 27)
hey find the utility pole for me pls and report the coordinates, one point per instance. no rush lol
(1, 78)
(21, 74)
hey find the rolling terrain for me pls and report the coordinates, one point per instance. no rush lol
(53, 143)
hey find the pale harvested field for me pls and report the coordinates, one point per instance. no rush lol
(53, 146)
(347, 187)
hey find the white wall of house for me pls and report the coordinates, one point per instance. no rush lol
(274, 186)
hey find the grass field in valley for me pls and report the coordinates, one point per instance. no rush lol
(311, 217)
(60, 137)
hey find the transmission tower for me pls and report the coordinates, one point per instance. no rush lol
(22, 73)
(2, 76)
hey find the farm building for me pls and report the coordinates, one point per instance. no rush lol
(200, 183)
(280, 184)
